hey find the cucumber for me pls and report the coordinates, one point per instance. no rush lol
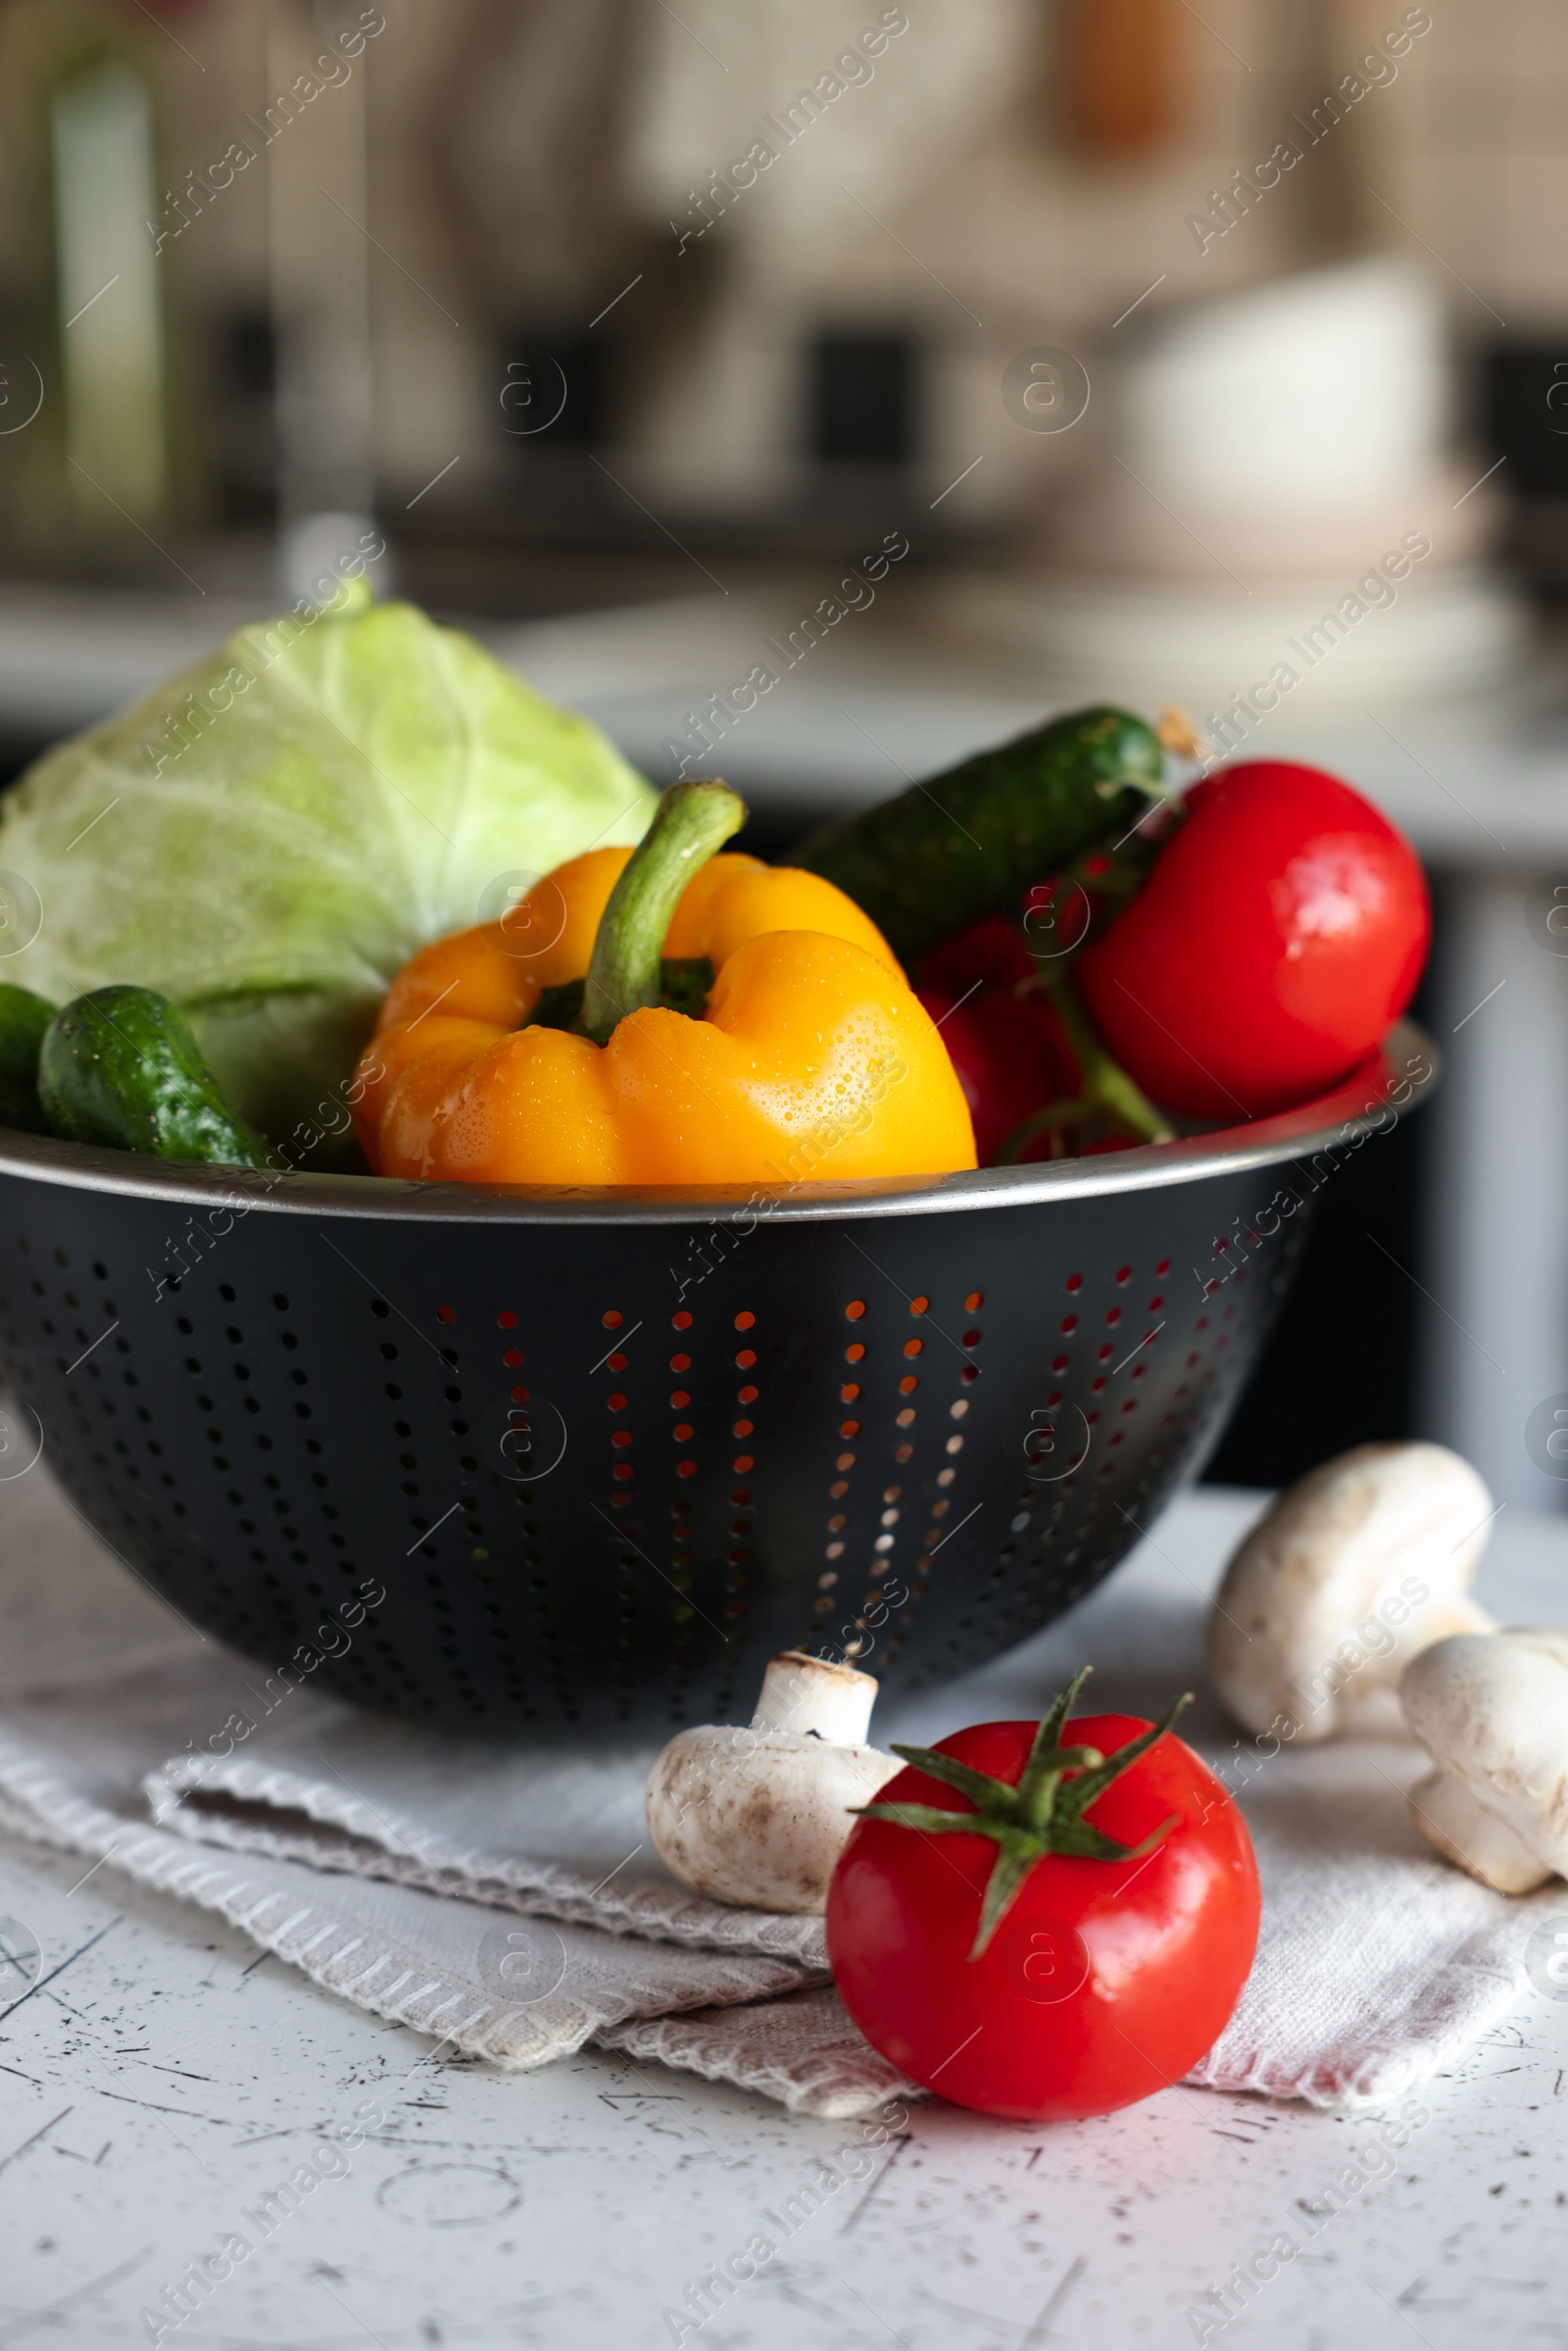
(122, 1067)
(24, 1018)
(947, 851)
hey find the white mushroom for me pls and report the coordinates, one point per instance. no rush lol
(1357, 1567)
(1492, 1714)
(758, 1816)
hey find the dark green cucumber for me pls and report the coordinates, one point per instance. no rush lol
(947, 851)
(1099, 881)
(24, 1018)
(122, 1067)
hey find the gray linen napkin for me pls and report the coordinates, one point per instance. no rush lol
(505, 1896)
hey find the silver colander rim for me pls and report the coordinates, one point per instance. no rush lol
(1391, 1082)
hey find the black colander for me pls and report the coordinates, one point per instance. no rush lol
(608, 1453)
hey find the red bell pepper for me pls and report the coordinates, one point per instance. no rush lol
(1038, 1083)
(1009, 1053)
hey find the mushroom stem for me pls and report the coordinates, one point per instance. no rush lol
(1492, 1711)
(1461, 1827)
(814, 1699)
(1460, 1614)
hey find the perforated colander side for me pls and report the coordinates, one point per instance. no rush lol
(604, 1466)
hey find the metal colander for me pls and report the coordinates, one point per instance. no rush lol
(607, 1453)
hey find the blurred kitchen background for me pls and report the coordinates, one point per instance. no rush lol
(1134, 332)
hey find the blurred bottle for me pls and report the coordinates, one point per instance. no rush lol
(107, 290)
(320, 245)
(88, 310)
(1118, 75)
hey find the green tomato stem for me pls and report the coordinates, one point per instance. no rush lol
(692, 822)
(1104, 1080)
(1105, 1089)
(1041, 1814)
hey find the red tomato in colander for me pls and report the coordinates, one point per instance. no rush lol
(1283, 929)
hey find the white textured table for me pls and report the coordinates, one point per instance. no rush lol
(161, 2080)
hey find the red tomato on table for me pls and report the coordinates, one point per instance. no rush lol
(1282, 931)
(1107, 1975)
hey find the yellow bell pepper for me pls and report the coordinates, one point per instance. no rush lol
(812, 1059)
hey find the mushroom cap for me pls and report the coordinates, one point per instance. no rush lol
(1492, 1710)
(1312, 1601)
(759, 1817)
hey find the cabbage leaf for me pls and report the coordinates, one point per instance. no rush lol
(267, 838)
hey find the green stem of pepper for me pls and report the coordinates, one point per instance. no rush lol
(691, 824)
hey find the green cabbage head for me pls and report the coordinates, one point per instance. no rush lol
(267, 838)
